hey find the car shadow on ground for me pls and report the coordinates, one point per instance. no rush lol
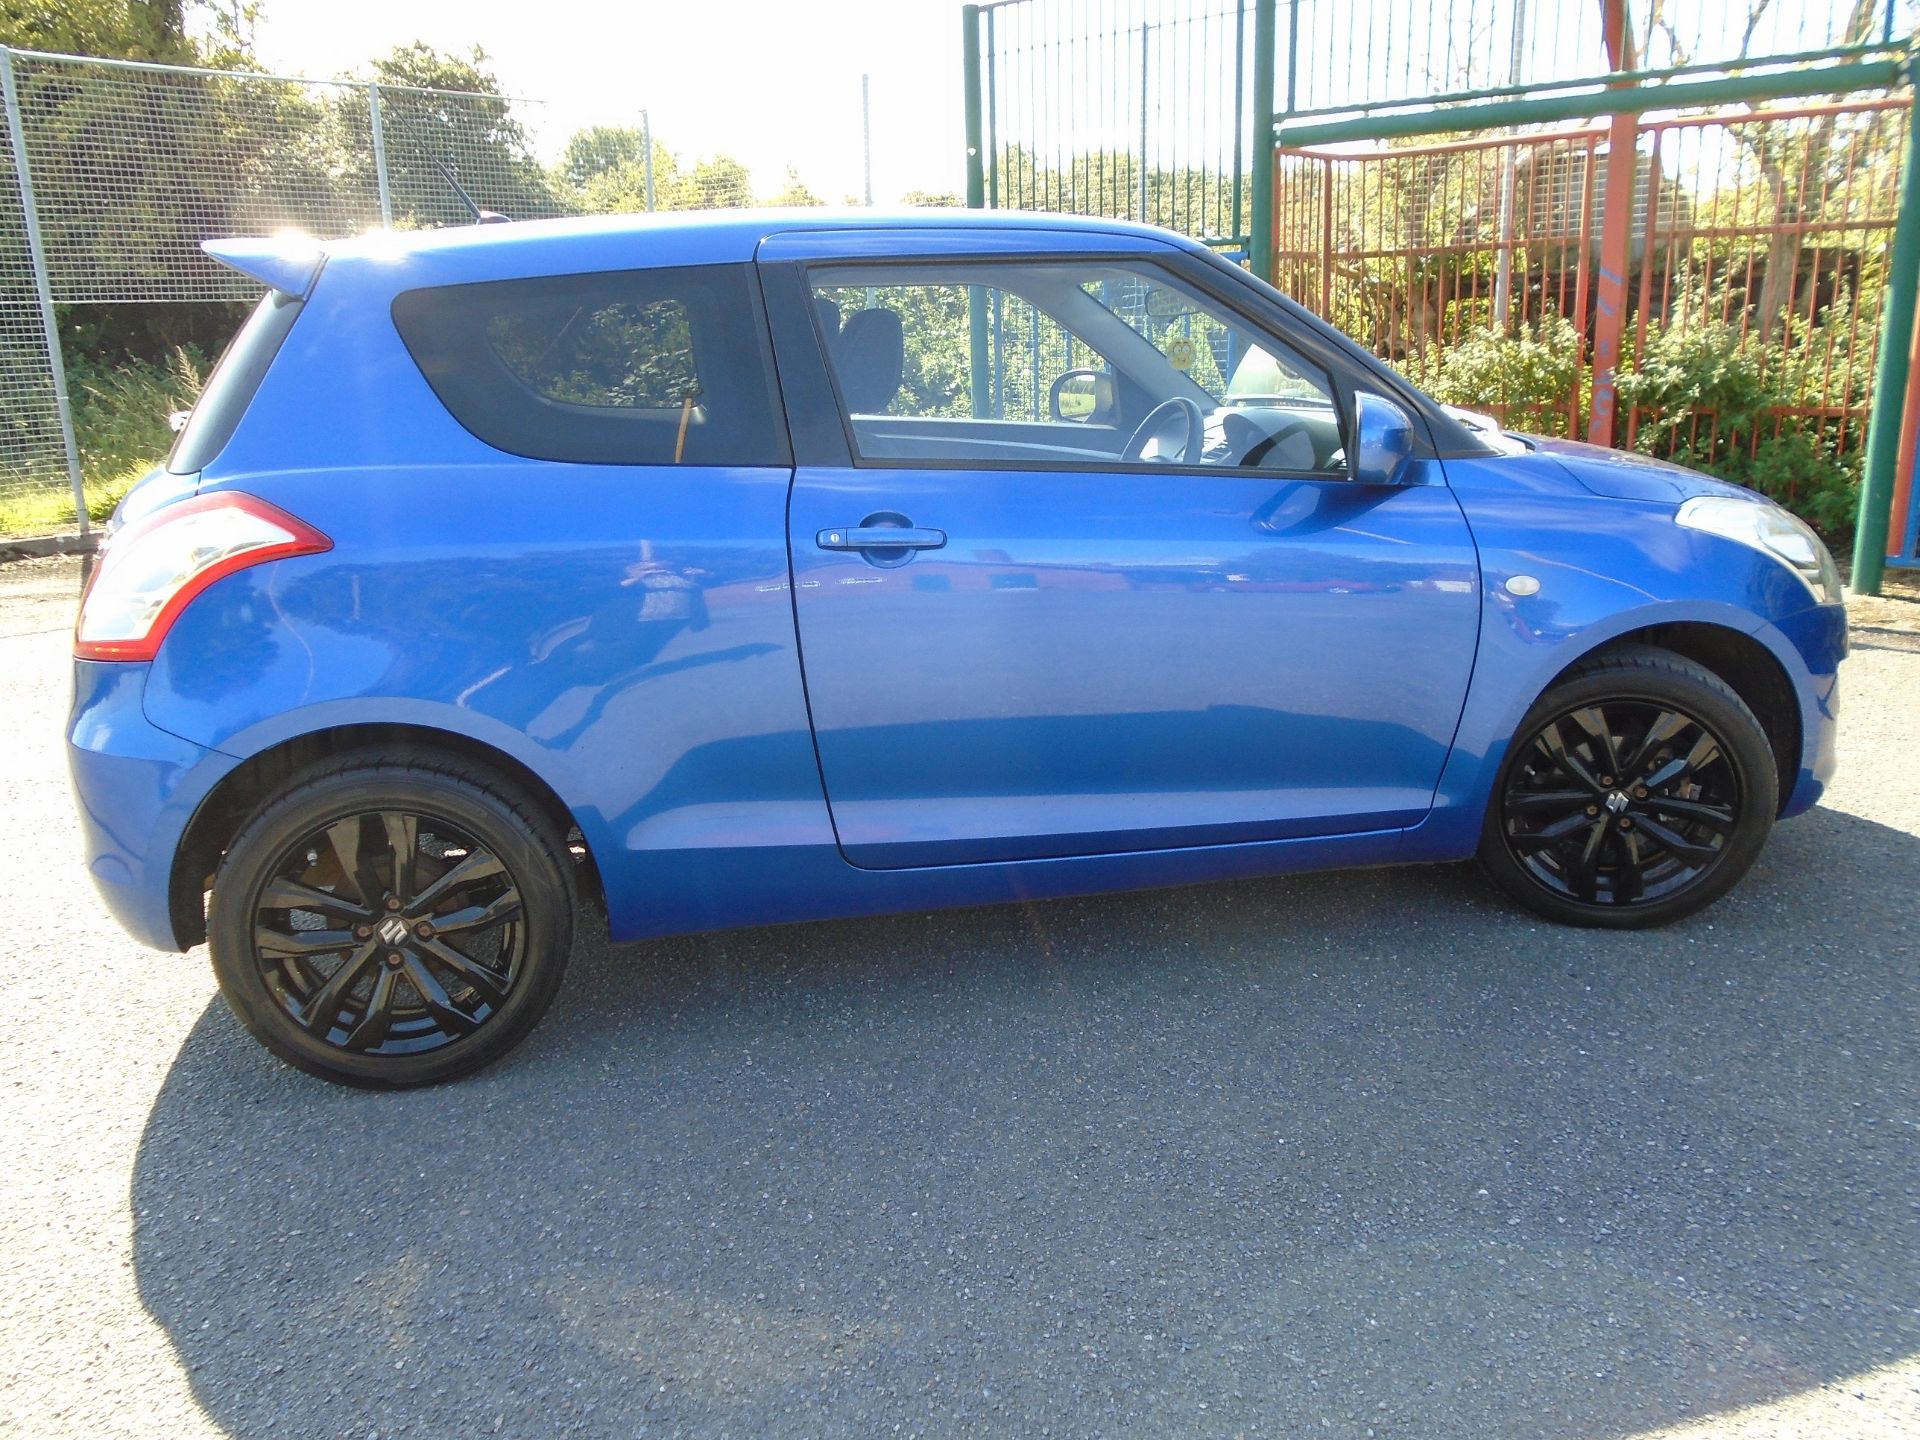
(1362, 1153)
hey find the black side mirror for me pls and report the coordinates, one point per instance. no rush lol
(1082, 397)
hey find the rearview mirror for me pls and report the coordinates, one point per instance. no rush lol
(1383, 441)
(1081, 397)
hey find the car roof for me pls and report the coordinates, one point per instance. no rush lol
(685, 237)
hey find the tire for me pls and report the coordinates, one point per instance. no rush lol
(354, 965)
(1683, 819)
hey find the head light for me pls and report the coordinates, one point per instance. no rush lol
(1765, 526)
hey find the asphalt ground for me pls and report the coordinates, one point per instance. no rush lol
(1348, 1155)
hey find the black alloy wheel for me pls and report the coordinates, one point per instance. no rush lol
(1638, 791)
(392, 924)
(389, 933)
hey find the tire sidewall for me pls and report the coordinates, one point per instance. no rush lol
(299, 810)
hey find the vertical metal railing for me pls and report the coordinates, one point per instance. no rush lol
(1136, 109)
(1890, 378)
(42, 282)
(377, 126)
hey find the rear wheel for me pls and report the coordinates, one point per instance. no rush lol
(1638, 791)
(389, 923)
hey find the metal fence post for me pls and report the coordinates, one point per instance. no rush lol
(1266, 36)
(1616, 235)
(866, 135)
(646, 146)
(380, 154)
(42, 285)
(1509, 154)
(1145, 38)
(1239, 114)
(1890, 381)
(1293, 56)
(993, 120)
(981, 379)
(970, 69)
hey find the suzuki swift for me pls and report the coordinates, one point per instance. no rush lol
(733, 569)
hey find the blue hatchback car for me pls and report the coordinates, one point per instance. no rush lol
(733, 569)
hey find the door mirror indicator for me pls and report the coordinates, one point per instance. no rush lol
(1082, 397)
(1383, 441)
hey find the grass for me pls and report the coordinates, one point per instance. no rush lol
(48, 510)
(120, 419)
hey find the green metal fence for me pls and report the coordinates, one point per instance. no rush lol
(1135, 109)
(1180, 114)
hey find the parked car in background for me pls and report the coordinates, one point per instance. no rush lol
(745, 568)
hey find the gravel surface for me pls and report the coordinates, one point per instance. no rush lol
(1350, 1155)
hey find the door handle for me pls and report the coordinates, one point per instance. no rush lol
(880, 537)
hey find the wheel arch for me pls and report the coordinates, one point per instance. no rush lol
(238, 793)
(1746, 666)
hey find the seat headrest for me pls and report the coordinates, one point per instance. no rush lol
(827, 311)
(871, 359)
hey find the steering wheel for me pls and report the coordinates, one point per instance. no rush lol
(1156, 421)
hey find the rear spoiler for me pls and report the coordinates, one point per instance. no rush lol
(289, 263)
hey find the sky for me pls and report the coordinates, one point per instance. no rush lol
(776, 84)
(771, 84)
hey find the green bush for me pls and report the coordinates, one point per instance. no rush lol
(1704, 389)
(120, 411)
(1525, 381)
(1799, 470)
(1707, 397)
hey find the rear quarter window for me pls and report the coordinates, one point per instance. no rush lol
(632, 367)
(230, 389)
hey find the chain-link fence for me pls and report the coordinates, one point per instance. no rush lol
(33, 441)
(1152, 109)
(113, 172)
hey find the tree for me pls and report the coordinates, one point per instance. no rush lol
(116, 29)
(1801, 167)
(795, 192)
(445, 108)
(719, 182)
(602, 171)
(604, 149)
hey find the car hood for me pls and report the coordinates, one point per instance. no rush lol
(1627, 475)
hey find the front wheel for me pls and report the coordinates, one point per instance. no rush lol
(1638, 791)
(389, 923)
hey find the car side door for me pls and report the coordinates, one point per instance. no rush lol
(1027, 636)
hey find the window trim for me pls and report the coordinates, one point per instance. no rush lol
(1338, 374)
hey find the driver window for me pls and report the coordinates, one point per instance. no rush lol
(931, 328)
(1088, 364)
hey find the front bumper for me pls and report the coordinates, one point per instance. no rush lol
(137, 788)
(1817, 637)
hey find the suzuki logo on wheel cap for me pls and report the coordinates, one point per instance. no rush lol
(393, 930)
(1616, 802)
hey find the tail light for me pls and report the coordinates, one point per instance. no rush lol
(153, 568)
